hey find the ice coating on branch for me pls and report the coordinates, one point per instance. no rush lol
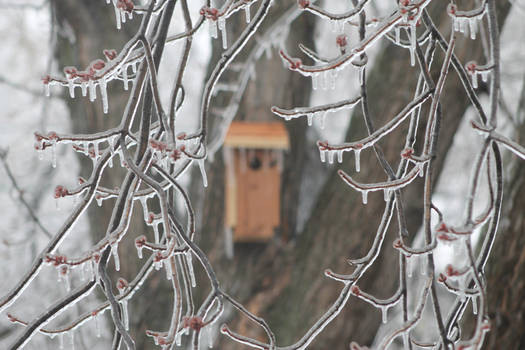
(474, 300)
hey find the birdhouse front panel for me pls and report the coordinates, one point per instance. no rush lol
(253, 158)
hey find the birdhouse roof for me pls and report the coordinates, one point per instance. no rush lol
(265, 135)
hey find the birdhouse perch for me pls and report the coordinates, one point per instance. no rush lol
(253, 154)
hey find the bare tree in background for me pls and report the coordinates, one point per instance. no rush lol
(423, 82)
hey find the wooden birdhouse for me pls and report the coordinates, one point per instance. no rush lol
(253, 154)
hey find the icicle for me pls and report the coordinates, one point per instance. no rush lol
(413, 38)
(340, 156)
(423, 268)
(332, 74)
(66, 279)
(341, 26)
(322, 153)
(61, 341)
(406, 341)
(114, 251)
(484, 75)
(212, 27)
(228, 242)
(310, 119)
(40, 154)
(125, 314)
(409, 266)
(222, 28)
(134, 67)
(462, 25)
(83, 86)
(386, 194)
(139, 251)
(421, 166)
(203, 172)
(323, 118)
(104, 95)
(326, 80)
(209, 334)
(247, 12)
(178, 337)
(364, 193)
(315, 81)
(331, 157)
(333, 25)
(158, 264)
(110, 162)
(397, 34)
(47, 90)
(474, 304)
(97, 325)
(71, 88)
(384, 314)
(123, 16)
(357, 153)
(98, 198)
(156, 231)
(143, 201)
(190, 269)
(455, 23)
(92, 91)
(117, 17)
(474, 80)
(54, 153)
(473, 24)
